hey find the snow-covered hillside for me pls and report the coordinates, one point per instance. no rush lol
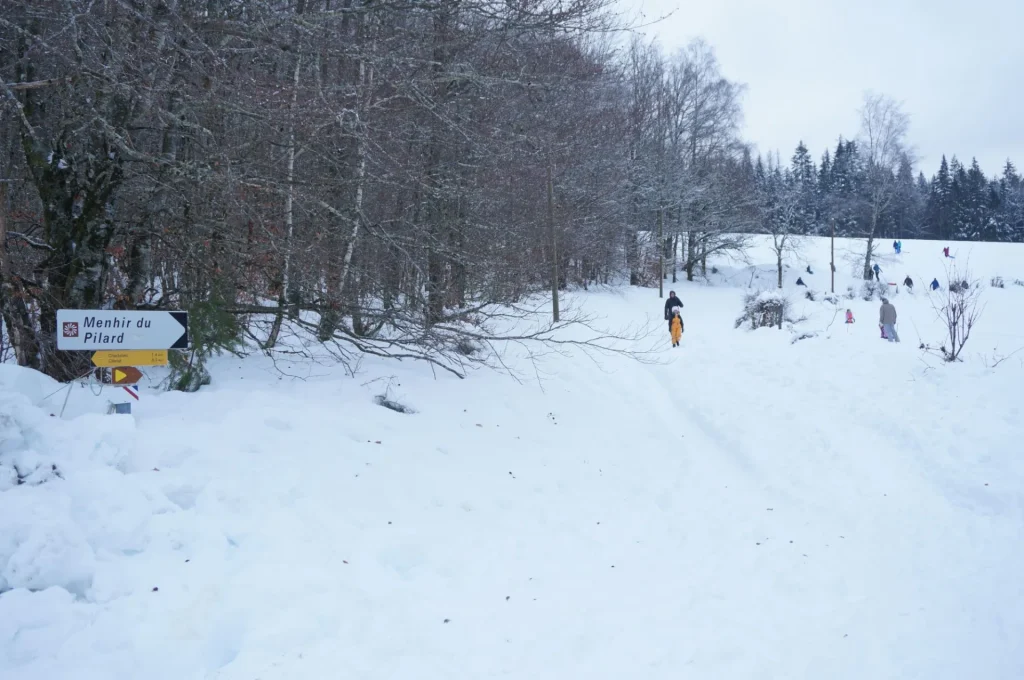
(747, 506)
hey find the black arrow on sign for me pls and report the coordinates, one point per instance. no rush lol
(182, 318)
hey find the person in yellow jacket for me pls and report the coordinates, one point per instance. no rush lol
(677, 327)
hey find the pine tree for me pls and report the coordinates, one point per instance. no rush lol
(907, 208)
(804, 183)
(942, 192)
(1011, 199)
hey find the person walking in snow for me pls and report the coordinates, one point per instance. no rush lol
(935, 284)
(676, 326)
(849, 316)
(800, 281)
(672, 301)
(896, 247)
(909, 283)
(887, 320)
(877, 270)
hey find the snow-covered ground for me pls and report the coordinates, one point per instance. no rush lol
(746, 507)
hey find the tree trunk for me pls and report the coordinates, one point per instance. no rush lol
(868, 273)
(691, 248)
(661, 256)
(75, 202)
(554, 247)
(778, 255)
(289, 215)
(675, 258)
(13, 309)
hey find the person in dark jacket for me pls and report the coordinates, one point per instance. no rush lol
(672, 301)
(800, 281)
(877, 270)
(935, 284)
(909, 283)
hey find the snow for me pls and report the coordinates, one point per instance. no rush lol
(748, 506)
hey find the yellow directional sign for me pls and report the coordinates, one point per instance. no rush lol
(136, 357)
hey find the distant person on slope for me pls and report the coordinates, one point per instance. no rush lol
(672, 301)
(887, 320)
(935, 284)
(676, 326)
(909, 283)
(800, 281)
(896, 246)
(849, 316)
(877, 270)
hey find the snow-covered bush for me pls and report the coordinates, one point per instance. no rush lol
(872, 290)
(810, 295)
(850, 293)
(997, 282)
(764, 309)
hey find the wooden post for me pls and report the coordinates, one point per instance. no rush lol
(832, 264)
(554, 247)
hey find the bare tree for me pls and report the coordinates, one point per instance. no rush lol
(883, 132)
(960, 310)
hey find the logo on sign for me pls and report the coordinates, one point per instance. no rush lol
(70, 329)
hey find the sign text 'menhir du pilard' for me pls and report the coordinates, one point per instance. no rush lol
(93, 329)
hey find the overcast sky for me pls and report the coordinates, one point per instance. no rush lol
(957, 66)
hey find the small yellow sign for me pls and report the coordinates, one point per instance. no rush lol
(135, 357)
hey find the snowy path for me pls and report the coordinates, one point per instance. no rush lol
(752, 508)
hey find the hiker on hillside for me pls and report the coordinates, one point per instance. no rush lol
(945, 251)
(672, 301)
(935, 284)
(887, 320)
(849, 316)
(896, 247)
(809, 269)
(909, 283)
(676, 326)
(877, 270)
(800, 281)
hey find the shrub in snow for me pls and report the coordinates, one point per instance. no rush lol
(19, 463)
(959, 286)
(1018, 282)
(997, 282)
(872, 290)
(764, 309)
(383, 400)
(466, 347)
(850, 293)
